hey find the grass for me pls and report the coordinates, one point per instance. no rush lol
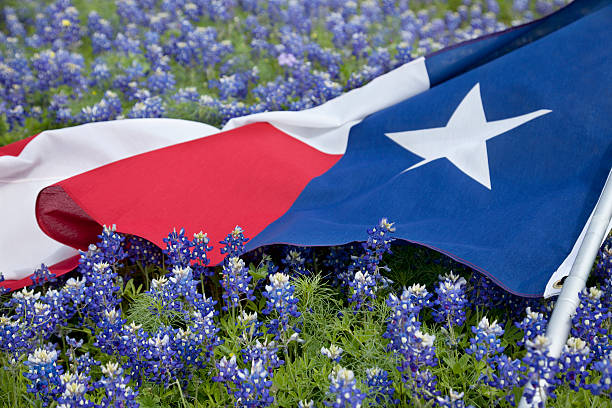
(326, 319)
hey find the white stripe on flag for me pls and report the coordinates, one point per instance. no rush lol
(326, 127)
(55, 155)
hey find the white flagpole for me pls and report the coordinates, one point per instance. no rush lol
(560, 322)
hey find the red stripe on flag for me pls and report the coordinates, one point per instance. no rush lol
(57, 269)
(15, 148)
(249, 176)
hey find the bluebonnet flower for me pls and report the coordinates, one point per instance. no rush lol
(178, 248)
(199, 254)
(287, 60)
(266, 352)
(363, 287)
(74, 387)
(453, 400)
(14, 26)
(404, 313)
(235, 283)
(234, 243)
(117, 391)
(15, 117)
(295, 263)
(100, 43)
(97, 24)
(380, 386)
(507, 373)
(542, 370)
(280, 300)
(604, 385)
(41, 276)
(149, 108)
(227, 371)
(189, 94)
(74, 289)
(487, 341)
(12, 339)
(130, 11)
(334, 352)
(520, 5)
(418, 350)
(450, 304)
(159, 358)
(44, 374)
(231, 86)
(38, 315)
(588, 321)
(343, 391)
(574, 359)
(127, 45)
(484, 293)
(108, 337)
(160, 81)
(110, 246)
(250, 326)
(102, 291)
(365, 270)
(253, 386)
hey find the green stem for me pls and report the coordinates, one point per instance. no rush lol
(181, 392)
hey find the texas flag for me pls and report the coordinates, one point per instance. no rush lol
(493, 152)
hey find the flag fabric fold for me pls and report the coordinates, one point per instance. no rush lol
(493, 152)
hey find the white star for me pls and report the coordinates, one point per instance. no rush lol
(463, 140)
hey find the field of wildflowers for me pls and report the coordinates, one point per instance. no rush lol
(284, 326)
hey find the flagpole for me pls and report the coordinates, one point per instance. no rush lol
(560, 322)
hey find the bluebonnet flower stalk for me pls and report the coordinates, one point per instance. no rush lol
(282, 302)
(588, 323)
(295, 263)
(334, 352)
(487, 340)
(380, 387)
(363, 284)
(227, 372)
(404, 313)
(44, 374)
(234, 243)
(178, 248)
(534, 324)
(12, 339)
(236, 283)
(450, 304)
(574, 360)
(117, 391)
(603, 386)
(267, 352)
(41, 276)
(506, 373)
(109, 326)
(111, 246)
(199, 255)
(253, 386)
(102, 291)
(365, 269)
(542, 371)
(453, 400)
(343, 391)
(74, 387)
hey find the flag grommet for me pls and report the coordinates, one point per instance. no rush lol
(559, 284)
